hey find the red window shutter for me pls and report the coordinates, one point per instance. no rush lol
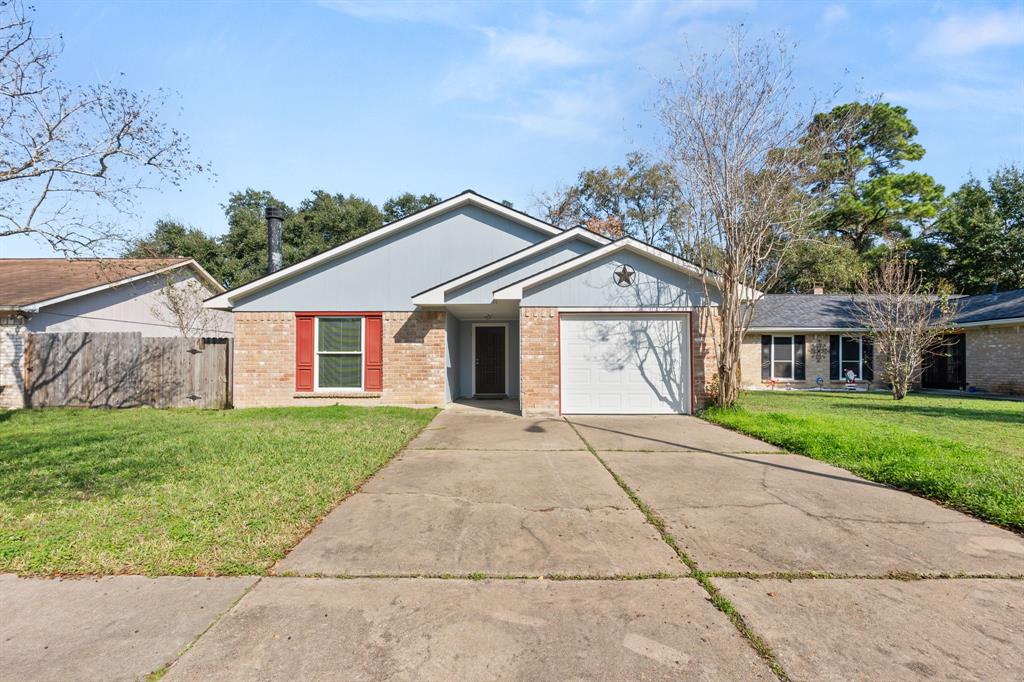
(304, 328)
(374, 353)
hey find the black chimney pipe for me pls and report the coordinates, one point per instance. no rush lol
(275, 219)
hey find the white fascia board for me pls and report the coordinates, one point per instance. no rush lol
(226, 300)
(34, 307)
(806, 330)
(514, 292)
(436, 296)
(997, 322)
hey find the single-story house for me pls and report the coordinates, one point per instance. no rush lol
(471, 298)
(795, 339)
(88, 295)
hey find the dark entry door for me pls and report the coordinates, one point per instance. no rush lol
(490, 360)
(946, 366)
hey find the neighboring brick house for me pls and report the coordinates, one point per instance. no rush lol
(796, 338)
(86, 295)
(472, 299)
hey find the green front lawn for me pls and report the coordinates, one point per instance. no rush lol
(964, 452)
(180, 491)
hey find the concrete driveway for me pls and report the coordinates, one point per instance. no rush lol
(498, 547)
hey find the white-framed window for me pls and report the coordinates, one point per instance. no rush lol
(339, 353)
(782, 357)
(851, 356)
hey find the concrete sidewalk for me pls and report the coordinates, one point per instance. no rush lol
(116, 628)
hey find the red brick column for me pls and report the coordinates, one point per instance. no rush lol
(539, 371)
(705, 323)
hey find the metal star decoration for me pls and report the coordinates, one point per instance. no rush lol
(624, 276)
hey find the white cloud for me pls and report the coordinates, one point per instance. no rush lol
(835, 14)
(450, 13)
(963, 34)
(526, 49)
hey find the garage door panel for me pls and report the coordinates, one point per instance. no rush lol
(620, 364)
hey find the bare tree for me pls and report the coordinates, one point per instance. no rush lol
(70, 155)
(180, 304)
(905, 319)
(740, 147)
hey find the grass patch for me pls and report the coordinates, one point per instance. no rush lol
(180, 492)
(964, 452)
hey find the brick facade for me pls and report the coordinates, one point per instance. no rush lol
(413, 358)
(539, 372)
(704, 323)
(995, 359)
(816, 357)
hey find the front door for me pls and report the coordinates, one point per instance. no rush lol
(946, 366)
(489, 354)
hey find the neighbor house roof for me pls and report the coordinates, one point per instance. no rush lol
(1002, 305)
(31, 282)
(805, 312)
(817, 312)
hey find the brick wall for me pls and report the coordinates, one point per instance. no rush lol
(413, 356)
(995, 359)
(705, 323)
(539, 371)
(12, 365)
(817, 364)
(264, 359)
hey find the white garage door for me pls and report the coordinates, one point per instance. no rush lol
(625, 364)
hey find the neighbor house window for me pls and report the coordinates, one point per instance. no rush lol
(782, 357)
(339, 353)
(851, 356)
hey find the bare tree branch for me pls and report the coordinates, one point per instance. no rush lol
(739, 144)
(70, 155)
(906, 321)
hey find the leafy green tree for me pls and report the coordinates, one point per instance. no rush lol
(171, 238)
(639, 199)
(406, 204)
(245, 244)
(864, 196)
(978, 240)
(830, 262)
(324, 221)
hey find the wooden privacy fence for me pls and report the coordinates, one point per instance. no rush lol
(125, 369)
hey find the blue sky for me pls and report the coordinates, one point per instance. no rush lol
(378, 99)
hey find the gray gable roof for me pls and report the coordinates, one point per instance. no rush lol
(839, 311)
(805, 311)
(1001, 305)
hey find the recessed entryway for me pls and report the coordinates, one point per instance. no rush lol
(490, 359)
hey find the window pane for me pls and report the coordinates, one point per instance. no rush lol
(851, 349)
(341, 334)
(783, 370)
(783, 348)
(341, 371)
